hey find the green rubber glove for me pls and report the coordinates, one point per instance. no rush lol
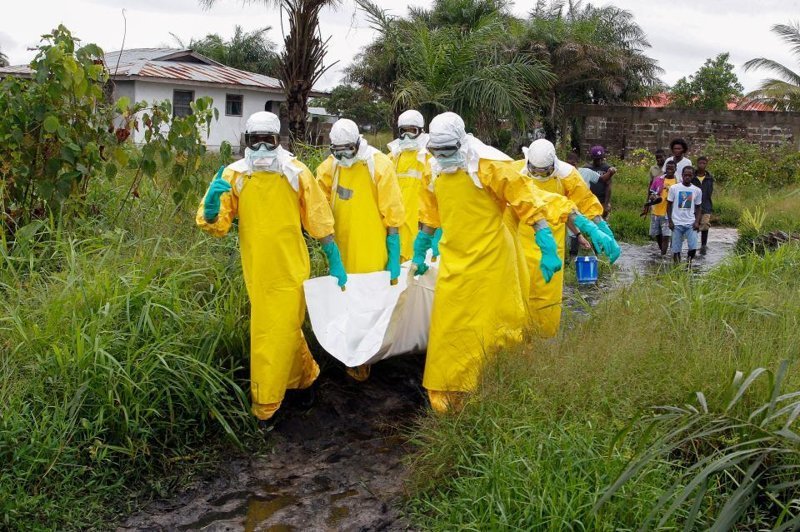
(393, 248)
(437, 236)
(602, 243)
(216, 189)
(604, 227)
(331, 251)
(551, 262)
(422, 244)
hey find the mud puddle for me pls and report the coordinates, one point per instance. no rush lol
(339, 465)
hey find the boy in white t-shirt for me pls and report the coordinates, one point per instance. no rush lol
(684, 202)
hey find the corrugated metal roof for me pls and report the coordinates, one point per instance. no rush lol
(166, 64)
(199, 73)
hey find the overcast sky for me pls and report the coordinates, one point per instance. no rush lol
(683, 33)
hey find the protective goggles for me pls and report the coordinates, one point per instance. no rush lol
(443, 152)
(344, 151)
(540, 172)
(409, 132)
(255, 140)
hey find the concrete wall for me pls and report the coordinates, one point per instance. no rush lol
(228, 128)
(622, 129)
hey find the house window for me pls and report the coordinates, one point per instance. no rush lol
(233, 105)
(181, 101)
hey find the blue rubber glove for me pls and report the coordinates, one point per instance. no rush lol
(551, 262)
(331, 251)
(422, 244)
(393, 248)
(216, 189)
(437, 235)
(602, 243)
(604, 227)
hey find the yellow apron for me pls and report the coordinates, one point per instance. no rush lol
(544, 299)
(409, 173)
(478, 306)
(275, 264)
(360, 232)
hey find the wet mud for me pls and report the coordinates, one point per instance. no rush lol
(339, 465)
(336, 466)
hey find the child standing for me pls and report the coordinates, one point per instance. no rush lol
(684, 202)
(657, 203)
(705, 182)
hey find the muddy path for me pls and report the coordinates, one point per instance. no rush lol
(336, 466)
(340, 465)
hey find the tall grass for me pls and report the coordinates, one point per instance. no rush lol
(535, 448)
(119, 349)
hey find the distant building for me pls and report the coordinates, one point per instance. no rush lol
(663, 99)
(181, 76)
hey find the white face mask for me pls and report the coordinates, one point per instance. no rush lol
(262, 159)
(452, 164)
(408, 144)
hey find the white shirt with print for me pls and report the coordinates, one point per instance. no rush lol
(684, 201)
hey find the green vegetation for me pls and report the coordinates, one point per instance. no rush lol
(119, 352)
(713, 86)
(474, 57)
(250, 51)
(550, 430)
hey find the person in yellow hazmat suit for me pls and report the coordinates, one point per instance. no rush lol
(478, 307)
(546, 172)
(411, 161)
(361, 186)
(274, 196)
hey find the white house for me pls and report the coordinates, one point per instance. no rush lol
(181, 76)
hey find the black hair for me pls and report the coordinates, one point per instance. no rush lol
(681, 142)
(670, 162)
(660, 151)
(689, 167)
(702, 158)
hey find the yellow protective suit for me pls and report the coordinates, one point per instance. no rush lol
(545, 299)
(275, 263)
(478, 306)
(363, 208)
(409, 169)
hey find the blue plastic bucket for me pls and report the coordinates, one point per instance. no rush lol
(586, 269)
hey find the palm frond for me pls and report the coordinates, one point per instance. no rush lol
(762, 63)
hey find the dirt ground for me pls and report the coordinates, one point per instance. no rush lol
(336, 466)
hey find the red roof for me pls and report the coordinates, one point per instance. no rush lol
(663, 99)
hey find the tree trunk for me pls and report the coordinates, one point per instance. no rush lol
(302, 62)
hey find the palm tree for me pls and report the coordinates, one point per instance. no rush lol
(3, 59)
(781, 93)
(436, 62)
(302, 59)
(596, 53)
(251, 51)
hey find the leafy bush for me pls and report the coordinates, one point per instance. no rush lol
(59, 131)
